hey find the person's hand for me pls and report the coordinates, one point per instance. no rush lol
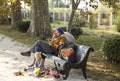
(51, 42)
(63, 51)
(49, 39)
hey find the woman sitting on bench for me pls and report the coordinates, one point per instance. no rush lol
(67, 51)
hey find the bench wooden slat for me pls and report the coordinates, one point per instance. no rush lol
(80, 55)
(55, 58)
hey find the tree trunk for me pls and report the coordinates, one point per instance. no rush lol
(75, 4)
(40, 24)
(71, 20)
(15, 13)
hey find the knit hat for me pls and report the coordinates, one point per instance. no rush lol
(60, 30)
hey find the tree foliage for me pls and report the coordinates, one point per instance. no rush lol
(115, 4)
(75, 4)
(28, 1)
(6, 5)
(12, 9)
(4, 8)
(15, 12)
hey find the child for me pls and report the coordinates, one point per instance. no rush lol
(39, 62)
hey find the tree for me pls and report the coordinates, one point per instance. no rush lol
(75, 4)
(4, 9)
(115, 4)
(16, 15)
(14, 8)
(40, 24)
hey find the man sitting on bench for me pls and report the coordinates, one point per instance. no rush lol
(47, 48)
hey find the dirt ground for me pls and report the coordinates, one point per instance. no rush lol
(11, 61)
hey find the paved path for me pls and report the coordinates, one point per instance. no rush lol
(11, 61)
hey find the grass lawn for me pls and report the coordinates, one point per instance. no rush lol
(18, 36)
(98, 68)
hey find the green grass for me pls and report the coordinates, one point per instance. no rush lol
(98, 68)
(16, 35)
(58, 24)
(106, 32)
(92, 41)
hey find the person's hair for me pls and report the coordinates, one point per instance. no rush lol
(38, 54)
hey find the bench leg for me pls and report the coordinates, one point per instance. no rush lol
(67, 69)
(66, 75)
(56, 68)
(84, 72)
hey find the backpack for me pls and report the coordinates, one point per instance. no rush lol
(69, 37)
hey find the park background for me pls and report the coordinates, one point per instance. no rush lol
(94, 23)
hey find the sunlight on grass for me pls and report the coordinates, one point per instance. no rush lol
(100, 31)
(104, 71)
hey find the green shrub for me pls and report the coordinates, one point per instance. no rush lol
(78, 21)
(64, 28)
(117, 23)
(76, 31)
(23, 26)
(92, 22)
(111, 48)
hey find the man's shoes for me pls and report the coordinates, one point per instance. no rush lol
(27, 53)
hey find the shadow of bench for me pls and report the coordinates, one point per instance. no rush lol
(82, 54)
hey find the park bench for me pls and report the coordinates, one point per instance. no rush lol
(82, 56)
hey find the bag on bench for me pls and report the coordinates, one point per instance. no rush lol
(67, 51)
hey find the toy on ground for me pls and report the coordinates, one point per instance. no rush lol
(51, 72)
(54, 74)
(47, 71)
(37, 72)
(19, 73)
